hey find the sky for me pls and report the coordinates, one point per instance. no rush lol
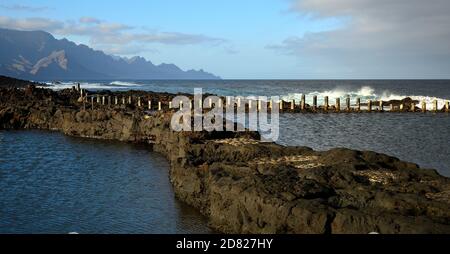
(264, 39)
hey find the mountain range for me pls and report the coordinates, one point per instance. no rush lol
(37, 55)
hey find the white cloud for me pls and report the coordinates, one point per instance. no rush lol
(20, 7)
(90, 20)
(31, 24)
(127, 50)
(109, 36)
(156, 37)
(94, 30)
(409, 38)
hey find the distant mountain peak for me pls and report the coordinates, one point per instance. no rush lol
(38, 55)
(136, 59)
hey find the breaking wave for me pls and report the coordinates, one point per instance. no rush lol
(92, 85)
(365, 93)
(69, 84)
(124, 84)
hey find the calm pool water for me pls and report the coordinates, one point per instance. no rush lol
(51, 183)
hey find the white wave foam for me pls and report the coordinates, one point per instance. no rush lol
(89, 85)
(364, 93)
(387, 96)
(124, 84)
(85, 85)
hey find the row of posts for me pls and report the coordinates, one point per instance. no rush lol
(371, 105)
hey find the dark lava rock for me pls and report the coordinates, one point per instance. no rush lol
(245, 186)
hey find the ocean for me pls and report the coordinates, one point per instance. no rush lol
(70, 184)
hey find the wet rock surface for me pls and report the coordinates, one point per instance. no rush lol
(245, 186)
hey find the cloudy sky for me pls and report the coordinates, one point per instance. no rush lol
(254, 39)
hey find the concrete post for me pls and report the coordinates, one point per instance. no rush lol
(392, 107)
(412, 107)
(92, 103)
(338, 104)
(435, 105)
(159, 106)
(109, 101)
(115, 100)
(270, 104)
(303, 102)
(347, 103)
(249, 104)
(281, 105)
(79, 88)
(292, 104)
(315, 102)
(401, 107)
(170, 104)
(123, 100)
(103, 100)
(380, 106)
(358, 104)
(239, 102)
(424, 106)
(259, 105)
(325, 103)
(447, 109)
(139, 101)
(98, 99)
(149, 104)
(129, 99)
(369, 105)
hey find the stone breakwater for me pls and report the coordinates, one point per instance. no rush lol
(245, 186)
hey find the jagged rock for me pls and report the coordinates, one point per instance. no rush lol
(245, 186)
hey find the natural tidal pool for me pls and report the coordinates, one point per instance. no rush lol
(52, 183)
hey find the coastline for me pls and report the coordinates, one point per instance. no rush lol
(244, 186)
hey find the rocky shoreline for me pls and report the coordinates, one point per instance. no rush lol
(245, 186)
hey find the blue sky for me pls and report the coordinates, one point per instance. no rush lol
(287, 39)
